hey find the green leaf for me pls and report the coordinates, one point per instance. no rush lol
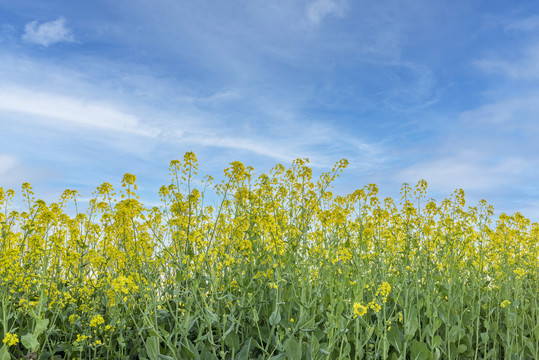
(462, 348)
(244, 352)
(152, 347)
(419, 351)
(121, 341)
(275, 317)
(30, 342)
(165, 357)
(437, 341)
(232, 340)
(4, 353)
(211, 315)
(293, 349)
(411, 325)
(187, 352)
(41, 326)
(394, 336)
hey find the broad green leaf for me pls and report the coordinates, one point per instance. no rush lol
(244, 352)
(41, 326)
(419, 351)
(232, 340)
(411, 325)
(275, 317)
(30, 342)
(211, 315)
(165, 357)
(394, 336)
(4, 353)
(293, 349)
(152, 347)
(437, 341)
(187, 352)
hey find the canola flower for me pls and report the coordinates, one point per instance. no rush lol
(359, 309)
(96, 321)
(11, 339)
(195, 276)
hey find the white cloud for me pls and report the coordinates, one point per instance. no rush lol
(273, 150)
(14, 171)
(468, 170)
(530, 23)
(7, 162)
(47, 33)
(513, 113)
(319, 9)
(63, 109)
(525, 67)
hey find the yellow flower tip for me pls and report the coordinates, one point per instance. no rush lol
(11, 339)
(505, 303)
(96, 321)
(359, 310)
(292, 320)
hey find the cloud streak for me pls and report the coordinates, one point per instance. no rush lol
(524, 67)
(62, 109)
(48, 33)
(468, 170)
(317, 10)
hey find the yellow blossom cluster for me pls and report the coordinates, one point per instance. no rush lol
(266, 233)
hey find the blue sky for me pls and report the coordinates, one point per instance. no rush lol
(447, 91)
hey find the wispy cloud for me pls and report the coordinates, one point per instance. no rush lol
(7, 32)
(48, 33)
(64, 109)
(7, 162)
(14, 171)
(319, 9)
(469, 170)
(525, 66)
(506, 115)
(530, 23)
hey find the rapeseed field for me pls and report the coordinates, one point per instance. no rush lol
(282, 268)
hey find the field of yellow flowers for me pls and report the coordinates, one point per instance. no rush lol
(281, 269)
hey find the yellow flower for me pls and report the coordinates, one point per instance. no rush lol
(383, 290)
(505, 303)
(81, 338)
(11, 339)
(97, 320)
(292, 320)
(359, 309)
(375, 306)
(519, 272)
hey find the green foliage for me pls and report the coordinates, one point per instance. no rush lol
(282, 269)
